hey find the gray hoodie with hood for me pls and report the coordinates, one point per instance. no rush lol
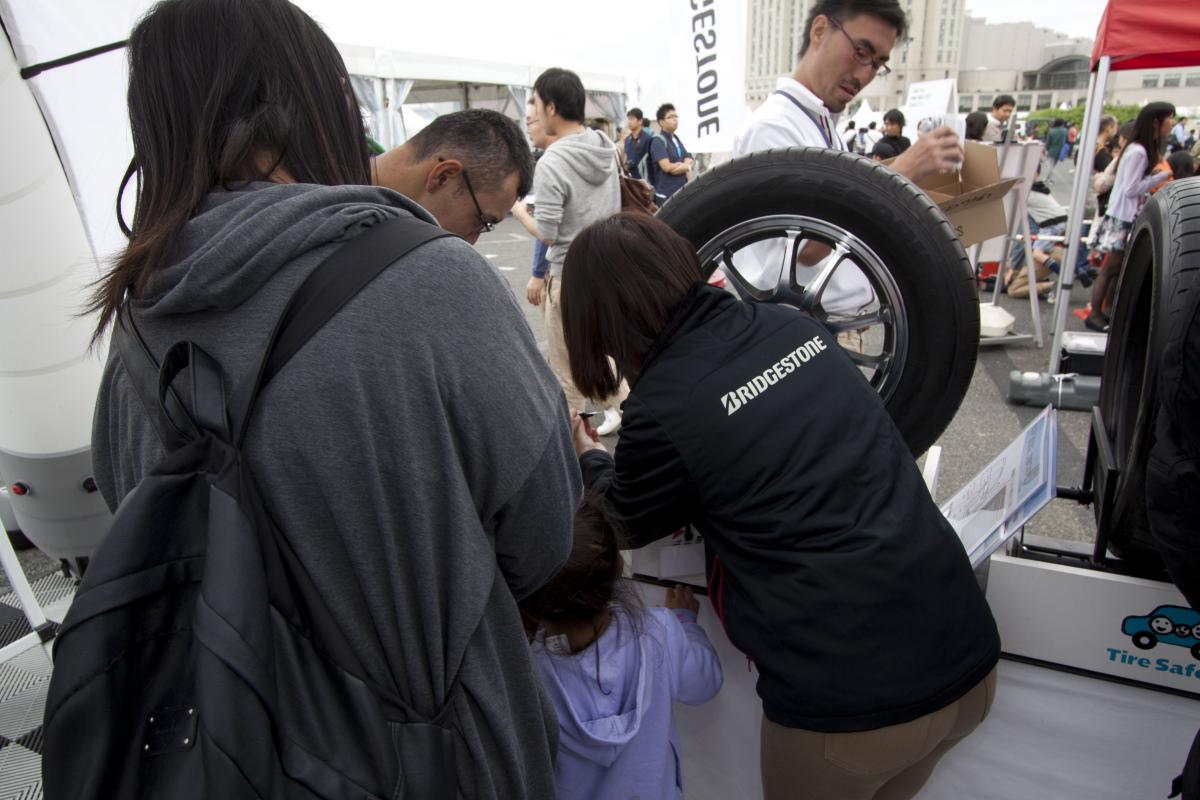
(416, 453)
(575, 185)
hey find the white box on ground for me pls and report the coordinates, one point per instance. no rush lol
(994, 320)
(671, 557)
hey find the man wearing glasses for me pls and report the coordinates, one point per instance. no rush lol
(576, 184)
(671, 159)
(466, 169)
(846, 44)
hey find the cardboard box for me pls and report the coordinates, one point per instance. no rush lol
(972, 198)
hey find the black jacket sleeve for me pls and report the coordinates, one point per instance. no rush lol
(647, 483)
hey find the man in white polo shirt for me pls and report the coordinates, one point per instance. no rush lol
(846, 44)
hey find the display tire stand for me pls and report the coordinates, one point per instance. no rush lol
(1054, 387)
(1018, 220)
(41, 630)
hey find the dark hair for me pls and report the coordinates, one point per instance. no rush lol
(636, 113)
(883, 151)
(887, 10)
(1146, 132)
(627, 276)
(895, 116)
(1003, 100)
(589, 581)
(564, 89)
(214, 86)
(1105, 121)
(1181, 165)
(490, 144)
(977, 123)
(872, 125)
(849, 126)
(663, 110)
(1126, 131)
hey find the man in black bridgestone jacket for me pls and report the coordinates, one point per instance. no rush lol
(828, 561)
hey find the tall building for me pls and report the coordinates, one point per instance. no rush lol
(775, 30)
(1044, 69)
(930, 50)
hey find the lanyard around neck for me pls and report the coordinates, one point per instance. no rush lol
(817, 119)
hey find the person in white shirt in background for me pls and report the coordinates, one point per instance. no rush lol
(846, 44)
(1135, 178)
(997, 121)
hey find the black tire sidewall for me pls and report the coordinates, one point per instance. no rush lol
(1142, 324)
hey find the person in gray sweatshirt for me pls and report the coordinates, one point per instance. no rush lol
(416, 451)
(576, 184)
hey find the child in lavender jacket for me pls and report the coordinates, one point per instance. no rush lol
(613, 670)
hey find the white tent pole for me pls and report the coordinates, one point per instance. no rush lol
(1083, 177)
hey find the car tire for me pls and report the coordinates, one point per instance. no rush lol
(896, 221)
(1160, 271)
(1144, 640)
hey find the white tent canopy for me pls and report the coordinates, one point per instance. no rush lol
(386, 79)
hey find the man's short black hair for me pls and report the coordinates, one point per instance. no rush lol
(490, 145)
(563, 88)
(889, 11)
(1002, 101)
(663, 110)
(895, 116)
(871, 126)
(637, 114)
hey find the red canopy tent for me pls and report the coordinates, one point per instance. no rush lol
(1133, 34)
(1148, 35)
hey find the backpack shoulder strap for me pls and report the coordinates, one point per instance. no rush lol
(329, 287)
(322, 294)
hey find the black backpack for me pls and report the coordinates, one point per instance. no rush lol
(198, 659)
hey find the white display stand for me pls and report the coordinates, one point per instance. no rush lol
(41, 629)
(1074, 617)
(1069, 734)
(1020, 160)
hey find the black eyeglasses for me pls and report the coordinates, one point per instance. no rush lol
(484, 225)
(861, 54)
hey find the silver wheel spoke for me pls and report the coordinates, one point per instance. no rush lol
(815, 288)
(744, 287)
(875, 362)
(881, 316)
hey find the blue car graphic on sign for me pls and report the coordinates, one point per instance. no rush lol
(1167, 624)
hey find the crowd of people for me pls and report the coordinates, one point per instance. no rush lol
(433, 474)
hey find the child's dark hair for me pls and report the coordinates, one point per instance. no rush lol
(590, 580)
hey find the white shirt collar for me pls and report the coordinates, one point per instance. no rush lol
(805, 96)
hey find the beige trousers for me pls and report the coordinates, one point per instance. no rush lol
(891, 763)
(560, 362)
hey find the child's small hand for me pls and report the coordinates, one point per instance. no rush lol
(681, 597)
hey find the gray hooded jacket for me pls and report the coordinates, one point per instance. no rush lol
(575, 185)
(416, 453)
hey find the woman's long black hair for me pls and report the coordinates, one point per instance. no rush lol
(1147, 132)
(222, 92)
